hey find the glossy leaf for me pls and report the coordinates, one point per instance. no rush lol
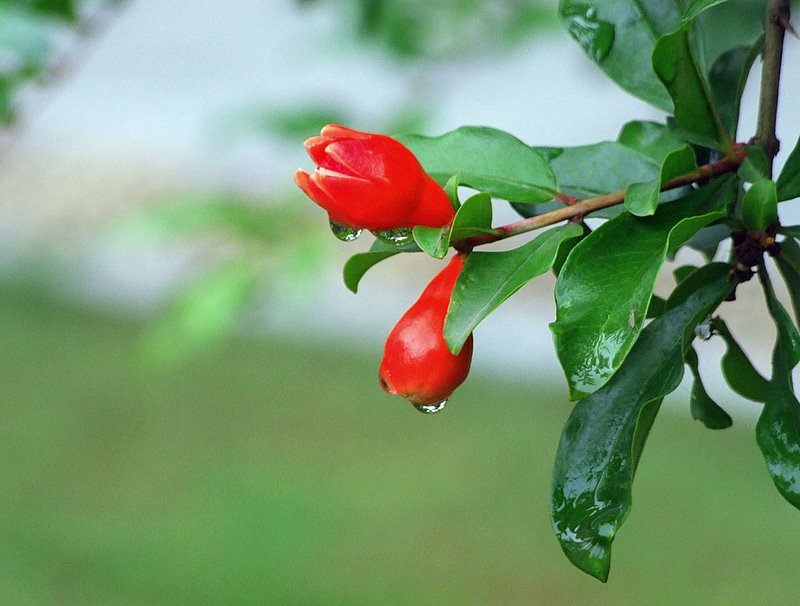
(760, 205)
(702, 407)
(487, 159)
(489, 278)
(778, 427)
(473, 218)
(788, 262)
(789, 179)
(592, 170)
(727, 79)
(601, 310)
(641, 199)
(651, 139)
(739, 372)
(754, 167)
(605, 433)
(620, 35)
(675, 63)
(683, 272)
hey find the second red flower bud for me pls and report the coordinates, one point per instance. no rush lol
(417, 364)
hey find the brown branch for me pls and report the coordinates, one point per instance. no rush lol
(775, 25)
(582, 208)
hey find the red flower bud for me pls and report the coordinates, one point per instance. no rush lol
(371, 181)
(416, 362)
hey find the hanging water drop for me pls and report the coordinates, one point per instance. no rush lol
(344, 233)
(430, 409)
(402, 235)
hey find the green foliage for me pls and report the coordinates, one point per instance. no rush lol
(486, 159)
(606, 432)
(760, 205)
(489, 278)
(592, 340)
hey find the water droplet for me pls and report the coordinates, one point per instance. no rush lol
(344, 233)
(595, 36)
(430, 409)
(399, 236)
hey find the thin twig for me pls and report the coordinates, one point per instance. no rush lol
(775, 23)
(584, 207)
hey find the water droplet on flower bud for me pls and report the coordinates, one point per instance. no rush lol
(402, 235)
(344, 233)
(430, 409)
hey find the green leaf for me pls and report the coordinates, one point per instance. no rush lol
(702, 407)
(592, 170)
(727, 79)
(473, 218)
(778, 427)
(676, 65)
(697, 7)
(739, 372)
(605, 434)
(651, 139)
(788, 262)
(760, 205)
(641, 199)
(489, 278)
(683, 272)
(789, 179)
(620, 35)
(488, 160)
(600, 309)
(754, 167)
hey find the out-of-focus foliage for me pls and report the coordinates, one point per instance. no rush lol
(454, 29)
(246, 246)
(32, 36)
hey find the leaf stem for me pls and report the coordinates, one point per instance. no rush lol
(776, 21)
(579, 209)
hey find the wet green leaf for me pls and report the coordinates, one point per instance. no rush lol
(606, 432)
(789, 179)
(677, 67)
(778, 427)
(620, 35)
(702, 407)
(489, 278)
(488, 160)
(601, 310)
(760, 205)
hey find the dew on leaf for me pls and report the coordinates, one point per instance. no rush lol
(344, 233)
(595, 36)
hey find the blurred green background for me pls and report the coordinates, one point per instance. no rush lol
(189, 396)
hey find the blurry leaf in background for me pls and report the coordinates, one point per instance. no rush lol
(248, 247)
(456, 29)
(299, 121)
